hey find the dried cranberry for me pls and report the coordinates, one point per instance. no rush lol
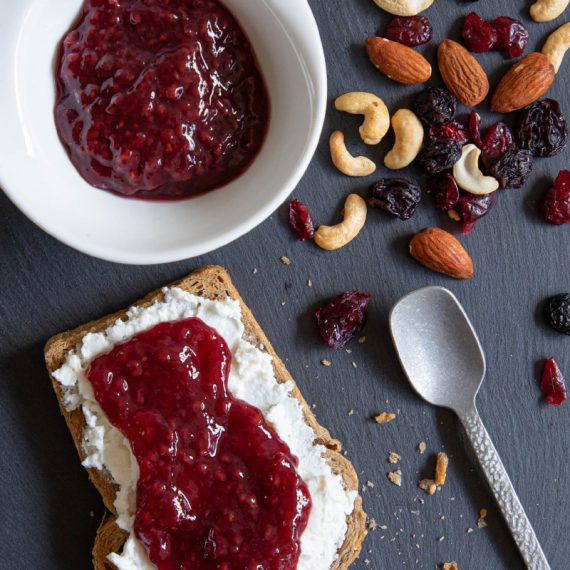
(475, 128)
(452, 131)
(435, 106)
(557, 313)
(396, 196)
(472, 208)
(542, 128)
(444, 190)
(556, 205)
(512, 36)
(438, 156)
(342, 318)
(479, 35)
(410, 31)
(497, 140)
(552, 383)
(301, 220)
(512, 168)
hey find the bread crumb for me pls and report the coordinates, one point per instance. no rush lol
(422, 447)
(372, 524)
(394, 457)
(469, 530)
(309, 283)
(441, 539)
(362, 340)
(428, 485)
(254, 270)
(384, 417)
(383, 527)
(481, 523)
(370, 484)
(285, 260)
(351, 412)
(354, 364)
(449, 566)
(395, 477)
(325, 362)
(441, 468)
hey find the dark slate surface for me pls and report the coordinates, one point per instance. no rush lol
(49, 509)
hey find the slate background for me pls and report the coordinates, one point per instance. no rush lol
(50, 511)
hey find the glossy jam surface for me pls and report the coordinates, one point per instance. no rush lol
(159, 98)
(217, 489)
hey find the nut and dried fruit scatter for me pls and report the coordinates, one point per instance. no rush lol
(557, 313)
(472, 208)
(438, 156)
(512, 168)
(397, 196)
(444, 190)
(301, 220)
(552, 383)
(342, 318)
(451, 131)
(497, 140)
(556, 204)
(435, 106)
(542, 128)
(410, 31)
(503, 34)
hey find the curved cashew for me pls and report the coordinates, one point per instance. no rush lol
(354, 217)
(345, 162)
(409, 137)
(546, 10)
(468, 175)
(556, 45)
(404, 7)
(376, 115)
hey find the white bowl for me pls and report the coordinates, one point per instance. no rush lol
(37, 175)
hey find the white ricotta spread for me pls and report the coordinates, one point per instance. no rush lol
(251, 379)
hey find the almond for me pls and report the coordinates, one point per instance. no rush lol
(440, 251)
(526, 81)
(462, 74)
(397, 61)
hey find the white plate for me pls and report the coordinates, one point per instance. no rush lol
(37, 175)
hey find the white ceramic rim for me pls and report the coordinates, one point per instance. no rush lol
(303, 32)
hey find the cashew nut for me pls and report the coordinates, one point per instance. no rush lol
(546, 10)
(376, 115)
(556, 45)
(468, 175)
(409, 137)
(354, 216)
(345, 162)
(404, 7)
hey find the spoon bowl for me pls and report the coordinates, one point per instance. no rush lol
(438, 348)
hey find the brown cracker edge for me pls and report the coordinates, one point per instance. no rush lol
(211, 282)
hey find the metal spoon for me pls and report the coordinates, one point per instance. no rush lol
(443, 359)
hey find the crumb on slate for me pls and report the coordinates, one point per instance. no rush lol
(351, 412)
(449, 566)
(285, 260)
(442, 462)
(384, 417)
(428, 485)
(325, 362)
(422, 447)
(395, 477)
(394, 457)
(482, 523)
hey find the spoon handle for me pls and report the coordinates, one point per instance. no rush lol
(504, 491)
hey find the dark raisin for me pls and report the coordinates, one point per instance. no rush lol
(557, 313)
(542, 128)
(475, 128)
(497, 140)
(435, 106)
(342, 318)
(300, 220)
(478, 34)
(512, 168)
(452, 131)
(396, 196)
(444, 190)
(438, 156)
(410, 31)
(552, 383)
(512, 36)
(472, 208)
(556, 205)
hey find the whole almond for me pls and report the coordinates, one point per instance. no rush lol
(526, 81)
(462, 74)
(440, 251)
(397, 61)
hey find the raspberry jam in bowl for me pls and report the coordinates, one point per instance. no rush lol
(159, 99)
(39, 177)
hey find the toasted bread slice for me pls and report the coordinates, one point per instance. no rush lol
(211, 282)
